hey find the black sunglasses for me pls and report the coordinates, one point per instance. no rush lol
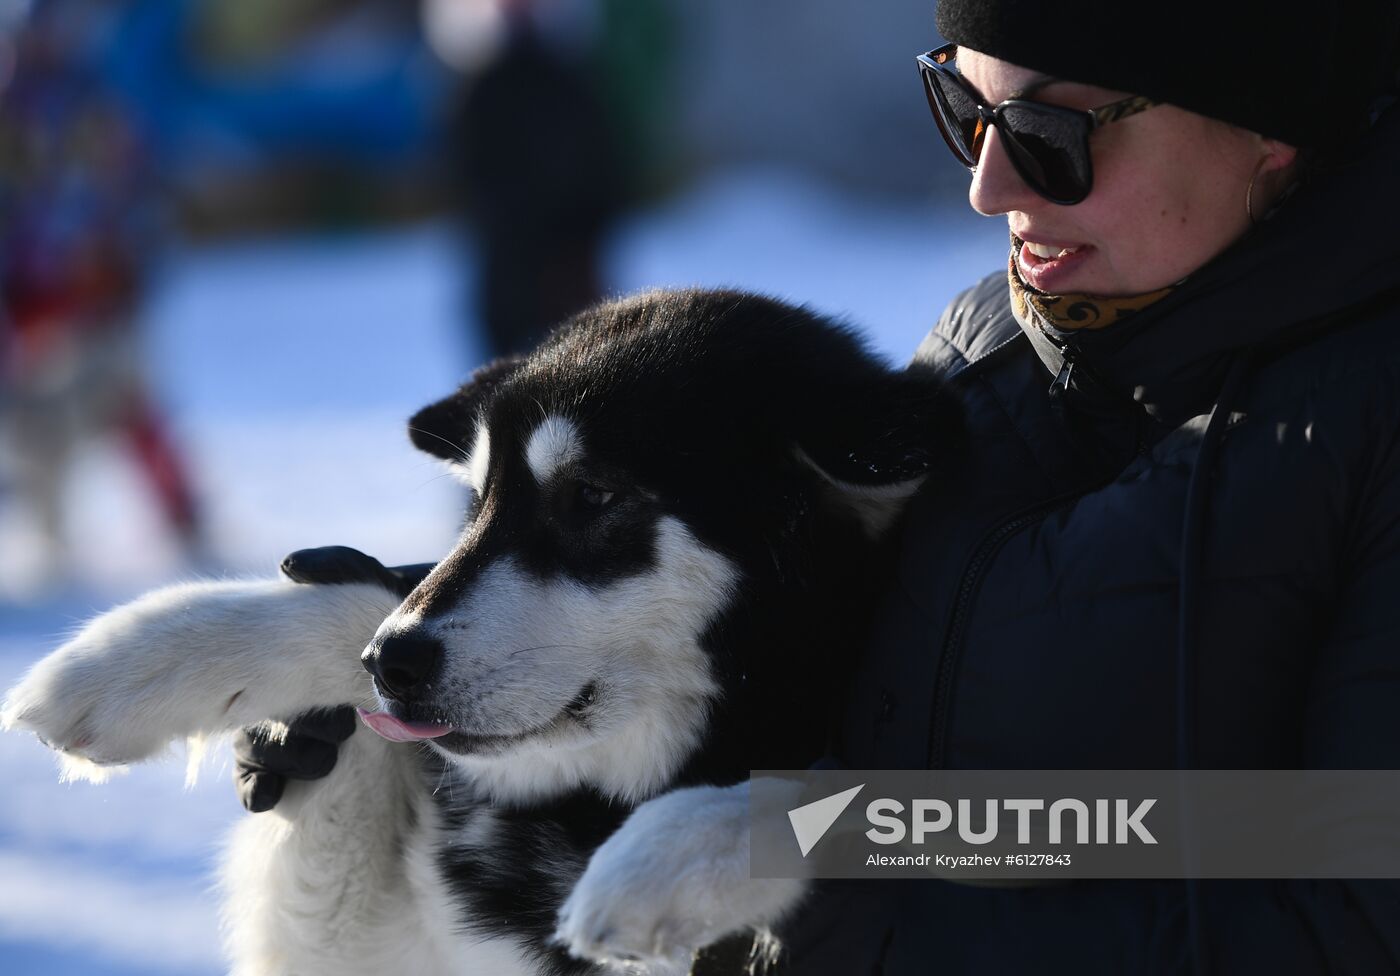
(1048, 144)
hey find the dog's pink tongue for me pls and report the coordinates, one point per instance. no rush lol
(397, 730)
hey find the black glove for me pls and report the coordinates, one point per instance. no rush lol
(341, 564)
(270, 753)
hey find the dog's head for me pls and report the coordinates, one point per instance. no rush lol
(651, 459)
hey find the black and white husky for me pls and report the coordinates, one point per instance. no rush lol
(666, 566)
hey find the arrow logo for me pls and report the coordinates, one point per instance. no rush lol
(811, 821)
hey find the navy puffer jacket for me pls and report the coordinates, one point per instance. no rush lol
(1048, 591)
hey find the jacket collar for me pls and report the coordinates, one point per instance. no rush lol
(1328, 247)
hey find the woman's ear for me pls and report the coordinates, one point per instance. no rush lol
(1275, 169)
(1278, 155)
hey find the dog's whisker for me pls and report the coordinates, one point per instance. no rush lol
(437, 476)
(551, 647)
(457, 449)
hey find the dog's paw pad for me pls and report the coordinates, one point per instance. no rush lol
(604, 931)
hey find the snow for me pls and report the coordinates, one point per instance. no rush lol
(289, 367)
(888, 267)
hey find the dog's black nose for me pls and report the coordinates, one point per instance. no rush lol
(402, 665)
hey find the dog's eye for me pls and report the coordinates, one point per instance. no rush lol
(594, 497)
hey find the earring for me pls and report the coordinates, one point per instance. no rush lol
(1249, 192)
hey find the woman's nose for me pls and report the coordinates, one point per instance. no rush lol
(996, 186)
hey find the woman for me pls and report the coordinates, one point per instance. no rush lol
(1177, 542)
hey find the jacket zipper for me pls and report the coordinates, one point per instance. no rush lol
(976, 567)
(1059, 387)
(972, 578)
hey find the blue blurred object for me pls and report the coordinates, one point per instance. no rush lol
(363, 86)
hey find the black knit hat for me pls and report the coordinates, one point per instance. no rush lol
(1304, 74)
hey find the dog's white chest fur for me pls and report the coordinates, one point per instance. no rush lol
(343, 878)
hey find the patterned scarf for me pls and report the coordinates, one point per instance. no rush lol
(1073, 311)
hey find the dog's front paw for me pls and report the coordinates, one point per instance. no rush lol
(195, 660)
(94, 699)
(674, 878)
(45, 704)
(134, 679)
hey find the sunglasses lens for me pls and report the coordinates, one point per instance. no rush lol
(1049, 146)
(956, 114)
(1049, 149)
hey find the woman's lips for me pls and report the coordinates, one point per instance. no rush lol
(397, 730)
(1049, 275)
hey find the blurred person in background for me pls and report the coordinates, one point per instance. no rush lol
(123, 122)
(76, 238)
(549, 144)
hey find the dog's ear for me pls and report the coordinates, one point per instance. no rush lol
(874, 443)
(447, 429)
